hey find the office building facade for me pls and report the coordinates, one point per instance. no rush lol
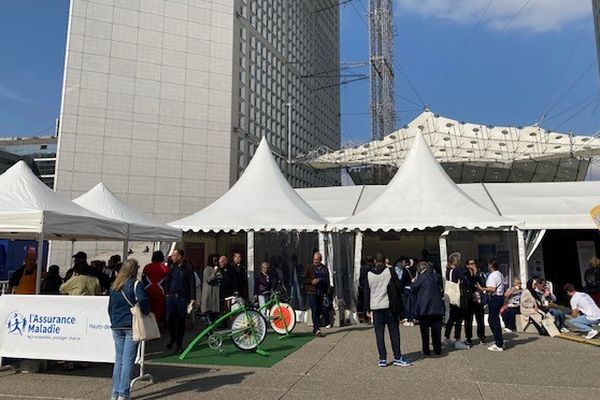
(165, 100)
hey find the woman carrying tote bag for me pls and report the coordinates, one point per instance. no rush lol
(122, 296)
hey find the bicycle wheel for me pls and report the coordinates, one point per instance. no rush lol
(282, 316)
(250, 330)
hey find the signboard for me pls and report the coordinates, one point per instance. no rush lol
(70, 328)
(595, 214)
(585, 251)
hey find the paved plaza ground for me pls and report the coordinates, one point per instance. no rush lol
(342, 365)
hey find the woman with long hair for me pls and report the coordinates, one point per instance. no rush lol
(531, 303)
(124, 293)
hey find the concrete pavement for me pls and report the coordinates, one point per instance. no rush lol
(342, 366)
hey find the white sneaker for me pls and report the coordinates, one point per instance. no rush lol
(564, 330)
(495, 348)
(411, 324)
(328, 326)
(591, 334)
(458, 345)
(507, 330)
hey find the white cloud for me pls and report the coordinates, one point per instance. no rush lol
(9, 94)
(538, 16)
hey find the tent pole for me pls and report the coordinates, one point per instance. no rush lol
(250, 262)
(40, 260)
(72, 253)
(444, 251)
(358, 245)
(522, 255)
(126, 245)
(125, 249)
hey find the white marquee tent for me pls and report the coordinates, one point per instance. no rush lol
(31, 210)
(140, 227)
(262, 199)
(420, 196)
(536, 205)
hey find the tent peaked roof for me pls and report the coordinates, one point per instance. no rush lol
(28, 207)
(421, 195)
(102, 201)
(261, 199)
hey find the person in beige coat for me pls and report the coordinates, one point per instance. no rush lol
(530, 304)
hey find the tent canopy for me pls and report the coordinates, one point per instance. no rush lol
(539, 205)
(421, 195)
(28, 208)
(261, 199)
(141, 227)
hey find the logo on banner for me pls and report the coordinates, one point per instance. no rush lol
(16, 323)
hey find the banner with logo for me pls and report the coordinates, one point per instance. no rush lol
(70, 328)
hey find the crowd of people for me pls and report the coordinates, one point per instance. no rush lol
(409, 291)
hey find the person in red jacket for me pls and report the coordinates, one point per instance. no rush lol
(154, 275)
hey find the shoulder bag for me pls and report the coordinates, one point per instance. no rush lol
(144, 327)
(452, 291)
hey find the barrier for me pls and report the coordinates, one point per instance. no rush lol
(68, 328)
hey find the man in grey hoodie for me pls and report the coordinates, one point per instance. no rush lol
(384, 304)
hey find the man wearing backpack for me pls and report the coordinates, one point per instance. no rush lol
(383, 302)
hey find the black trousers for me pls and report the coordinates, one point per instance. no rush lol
(431, 323)
(176, 311)
(494, 305)
(454, 320)
(381, 319)
(474, 309)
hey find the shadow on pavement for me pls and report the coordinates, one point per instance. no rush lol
(199, 385)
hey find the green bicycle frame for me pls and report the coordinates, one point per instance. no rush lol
(274, 300)
(229, 333)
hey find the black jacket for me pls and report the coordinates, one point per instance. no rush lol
(188, 281)
(394, 290)
(51, 284)
(429, 294)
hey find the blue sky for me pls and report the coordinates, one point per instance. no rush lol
(507, 73)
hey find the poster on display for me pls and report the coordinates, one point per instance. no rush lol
(70, 328)
(535, 265)
(585, 251)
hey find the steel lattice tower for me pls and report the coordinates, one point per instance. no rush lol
(381, 31)
(596, 9)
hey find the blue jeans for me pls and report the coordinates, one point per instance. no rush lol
(495, 303)
(315, 302)
(559, 317)
(581, 324)
(125, 352)
(408, 300)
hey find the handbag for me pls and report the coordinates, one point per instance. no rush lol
(144, 326)
(452, 291)
(548, 323)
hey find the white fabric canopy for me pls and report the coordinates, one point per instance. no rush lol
(421, 195)
(547, 205)
(261, 199)
(28, 208)
(538, 205)
(140, 226)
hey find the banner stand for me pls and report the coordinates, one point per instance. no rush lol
(142, 376)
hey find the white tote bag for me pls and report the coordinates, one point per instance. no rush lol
(144, 326)
(452, 291)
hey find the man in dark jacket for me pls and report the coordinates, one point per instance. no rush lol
(240, 274)
(180, 292)
(316, 283)
(384, 302)
(428, 290)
